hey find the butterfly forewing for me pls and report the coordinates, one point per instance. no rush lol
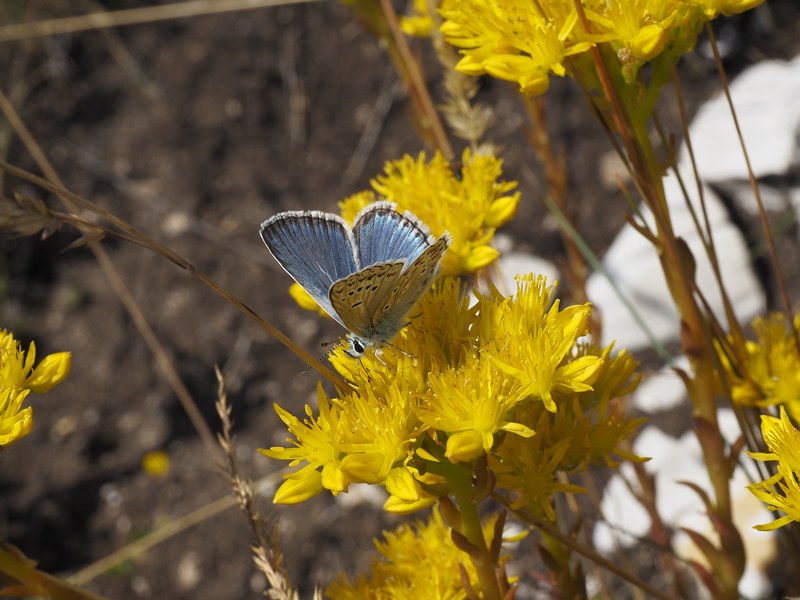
(382, 234)
(315, 248)
(353, 298)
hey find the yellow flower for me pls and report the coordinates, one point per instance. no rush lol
(537, 351)
(596, 421)
(418, 561)
(19, 377)
(712, 8)
(419, 23)
(471, 403)
(527, 42)
(17, 370)
(463, 381)
(781, 492)
(377, 434)
(315, 444)
(640, 27)
(527, 467)
(156, 464)
(398, 506)
(15, 421)
(470, 204)
(771, 367)
(587, 428)
(515, 40)
(359, 439)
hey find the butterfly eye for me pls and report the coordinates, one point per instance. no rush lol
(357, 347)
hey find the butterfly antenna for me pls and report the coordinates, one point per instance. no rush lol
(333, 344)
(321, 356)
(400, 350)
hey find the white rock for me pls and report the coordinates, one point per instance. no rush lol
(632, 263)
(675, 460)
(661, 391)
(766, 101)
(189, 571)
(362, 493)
(512, 264)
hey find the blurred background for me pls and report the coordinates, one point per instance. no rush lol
(195, 130)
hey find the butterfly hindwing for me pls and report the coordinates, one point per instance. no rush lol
(378, 310)
(315, 248)
(389, 305)
(382, 234)
(354, 297)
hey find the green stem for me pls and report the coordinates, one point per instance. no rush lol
(631, 119)
(698, 346)
(472, 529)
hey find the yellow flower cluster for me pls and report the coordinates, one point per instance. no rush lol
(767, 374)
(782, 490)
(506, 379)
(18, 378)
(405, 554)
(525, 42)
(470, 202)
(770, 372)
(419, 23)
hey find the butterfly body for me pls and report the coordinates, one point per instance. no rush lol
(367, 278)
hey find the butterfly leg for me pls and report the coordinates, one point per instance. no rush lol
(358, 363)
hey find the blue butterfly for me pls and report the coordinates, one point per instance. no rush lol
(369, 277)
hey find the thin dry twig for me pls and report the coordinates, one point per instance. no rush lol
(467, 119)
(132, 16)
(128, 232)
(167, 531)
(164, 207)
(369, 136)
(412, 76)
(584, 551)
(115, 279)
(294, 88)
(762, 213)
(267, 553)
(27, 216)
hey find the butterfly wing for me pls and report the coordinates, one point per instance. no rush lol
(354, 297)
(391, 294)
(414, 283)
(382, 234)
(315, 248)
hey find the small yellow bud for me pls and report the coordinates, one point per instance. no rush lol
(156, 464)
